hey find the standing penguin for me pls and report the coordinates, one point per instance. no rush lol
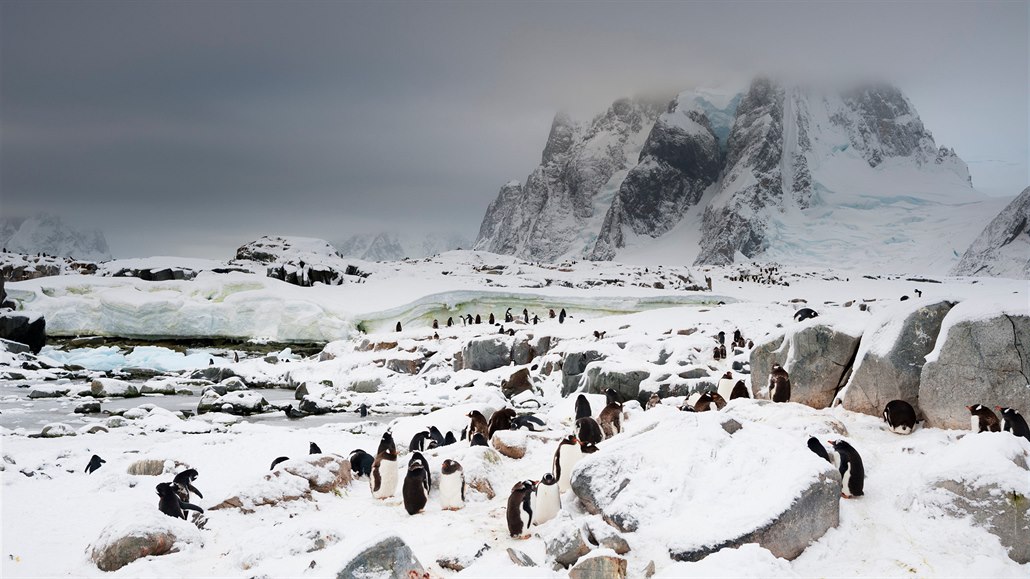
(849, 463)
(582, 407)
(722, 337)
(817, 447)
(610, 419)
(416, 457)
(653, 401)
(420, 441)
(566, 457)
(503, 419)
(185, 481)
(383, 481)
(547, 501)
(313, 448)
(739, 390)
(437, 436)
(479, 320)
(361, 462)
(507, 316)
(478, 439)
(525, 315)
(492, 320)
(436, 324)
(779, 384)
(900, 416)
(450, 321)
(398, 327)
(415, 490)
(1013, 421)
(520, 509)
(706, 400)
(561, 316)
(452, 486)
(478, 423)
(588, 431)
(171, 502)
(722, 351)
(983, 419)
(725, 386)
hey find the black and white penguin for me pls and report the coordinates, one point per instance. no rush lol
(722, 351)
(452, 486)
(235, 356)
(983, 419)
(582, 407)
(363, 410)
(817, 447)
(508, 317)
(185, 481)
(171, 502)
(478, 439)
(478, 423)
(561, 316)
(95, 462)
(479, 320)
(739, 390)
(738, 338)
(707, 400)
(547, 500)
(436, 435)
(525, 315)
(900, 416)
(500, 420)
(588, 431)
(450, 321)
(536, 319)
(436, 324)
(610, 418)
(398, 328)
(361, 462)
(1012, 421)
(449, 438)
(420, 441)
(779, 384)
(725, 386)
(715, 353)
(520, 509)
(492, 321)
(313, 448)
(721, 337)
(804, 314)
(527, 421)
(653, 401)
(849, 463)
(383, 481)
(418, 457)
(415, 489)
(277, 461)
(566, 457)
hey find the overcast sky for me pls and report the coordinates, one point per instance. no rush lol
(189, 128)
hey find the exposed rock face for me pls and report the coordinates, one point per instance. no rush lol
(982, 361)
(565, 541)
(1003, 249)
(625, 381)
(517, 383)
(300, 261)
(143, 534)
(390, 557)
(601, 566)
(25, 328)
(885, 372)
(817, 358)
(573, 366)
(241, 403)
(293, 480)
(487, 353)
(111, 388)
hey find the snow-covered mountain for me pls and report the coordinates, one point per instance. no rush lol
(388, 246)
(48, 233)
(789, 173)
(1003, 248)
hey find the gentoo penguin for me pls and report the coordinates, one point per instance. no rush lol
(436, 336)
(1012, 421)
(185, 481)
(705, 401)
(415, 489)
(900, 416)
(527, 421)
(653, 401)
(450, 321)
(507, 316)
(436, 324)
(750, 344)
(725, 386)
(448, 438)
(525, 315)
(278, 460)
(561, 316)
(737, 338)
(479, 320)
(95, 462)
(536, 319)
(235, 356)
(492, 320)
(520, 509)
(722, 351)
(452, 486)
(983, 419)
(361, 462)
(478, 423)
(715, 353)
(313, 448)
(566, 457)
(398, 328)
(722, 337)
(582, 407)
(478, 439)
(547, 500)
(739, 390)
(171, 502)
(588, 431)
(805, 313)
(610, 419)
(849, 463)
(436, 435)
(383, 481)
(817, 447)
(420, 441)
(779, 384)
(500, 420)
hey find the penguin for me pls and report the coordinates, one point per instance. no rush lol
(750, 344)
(417, 457)
(436, 324)
(737, 337)
(478, 423)
(525, 315)
(436, 336)
(363, 410)
(849, 463)
(171, 502)
(725, 386)
(95, 462)
(546, 500)
(900, 416)
(610, 418)
(313, 448)
(235, 356)
(361, 462)
(552, 314)
(739, 390)
(449, 439)
(383, 481)
(527, 421)
(492, 321)
(436, 435)
(687, 407)
(561, 316)
(420, 441)
(704, 402)
(500, 420)
(722, 352)
(983, 419)
(804, 314)
(566, 457)
(479, 320)
(817, 447)
(398, 328)
(919, 293)
(520, 509)
(722, 338)
(779, 384)
(450, 321)
(415, 490)
(292, 413)
(536, 319)
(478, 439)
(1012, 421)
(277, 461)
(508, 317)
(653, 401)
(185, 481)
(582, 407)
(588, 431)
(452, 486)
(715, 353)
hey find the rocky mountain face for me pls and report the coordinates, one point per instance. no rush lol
(49, 234)
(1003, 248)
(389, 246)
(780, 172)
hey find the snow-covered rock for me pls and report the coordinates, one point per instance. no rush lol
(144, 533)
(389, 557)
(391, 246)
(487, 353)
(111, 388)
(1003, 248)
(300, 261)
(599, 565)
(49, 234)
(239, 403)
(623, 378)
(293, 480)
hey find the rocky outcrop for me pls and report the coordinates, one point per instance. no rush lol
(1003, 248)
(976, 361)
(142, 534)
(572, 368)
(487, 353)
(565, 541)
(241, 403)
(390, 557)
(624, 380)
(600, 566)
(293, 480)
(24, 327)
(111, 388)
(299, 261)
(817, 357)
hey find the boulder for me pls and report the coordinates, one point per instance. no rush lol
(818, 358)
(13, 347)
(366, 386)
(152, 467)
(520, 559)
(56, 430)
(405, 365)
(390, 557)
(516, 384)
(293, 480)
(87, 408)
(572, 367)
(891, 357)
(212, 373)
(623, 379)
(233, 384)
(487, 353)
(603, 535)
(976, 361)
(24, 327)
(510, 443)
(139, 534)
(565, 540)
(48, 391)
(111, 388)
(466, 554)
(599, 567)
(243, 403)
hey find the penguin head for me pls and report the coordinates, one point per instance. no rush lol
(166, 489)
(522, 487)
(548, 479)
(1005, 411)
(570, 439)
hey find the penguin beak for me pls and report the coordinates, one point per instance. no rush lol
(998, 408)
(575, 440)
(970, 408)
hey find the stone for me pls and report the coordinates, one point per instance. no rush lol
(482, 486)
(88, 408)
(487, 353)
(14, 347)
(818, 358)
(405, 365)
(510, 443)
(48, 391)
(111, 388)
(148, 467)
(145, 534)
(56, 430)
(599, 567)
(565, 541)
(516, 384)
(212, 373)
(233, 384)
(891, 371)
(462, 560)
(390, 557)
(293, 480)
(366, 386)
(519, 558)
(242, 403)
(624, 380)
(981, 361)
(603, 535)
(24, 327)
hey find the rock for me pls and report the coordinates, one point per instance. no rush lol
(624, 380)
(519, 558)
(516, 384)
(890, 358)
(460, 561)
(366, 386)
(141, 534)
(786, 416)
(601, 534)
(487, 353)
(565, 541)
(694, 373)
(599, 567)
(978, 361)
(24, 327)
(111, 388)
(14, 347)
(293, 480)
(242, 403)
(88, 408)
(405, 365)
(482, 486)
(389, 557)
(510, 443)
(48, 391)
(212, 373)
(312, 405)
(166, 387)
(56, 430)
(301, 391)
(817, 357)
(151, 467)
(1001, 249)
(233, 384)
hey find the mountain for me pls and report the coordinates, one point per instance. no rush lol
(394, 246)
(48, 233)
(1003, 248)
(799, 174)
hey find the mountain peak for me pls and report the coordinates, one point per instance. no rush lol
(48, 233)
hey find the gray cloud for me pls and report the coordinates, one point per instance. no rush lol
(190, 128)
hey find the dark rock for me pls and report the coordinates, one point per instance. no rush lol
(390, 557)
(517, 383)
(212, 373)
(487, 353)
(565, 541)
(625, 382)
(88, 408)
(23, 327)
